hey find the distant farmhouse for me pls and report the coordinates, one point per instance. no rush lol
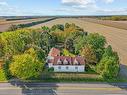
(65, 63)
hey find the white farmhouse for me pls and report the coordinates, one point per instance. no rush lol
(65, 63)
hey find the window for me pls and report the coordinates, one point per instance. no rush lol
(76, 67)
(67, 68)
(76, 62)
(59, 62)
(59, 67)
(65, 62)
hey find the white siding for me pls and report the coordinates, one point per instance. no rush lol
(50, 65)
(69, 68)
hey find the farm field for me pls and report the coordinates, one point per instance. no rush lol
(115, 36)
(6, 24)
(116, 24)
(125, 22)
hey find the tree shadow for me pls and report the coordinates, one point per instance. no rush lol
(35, 88)
(45, 85)
(123, 71)
(122, 75)
(38, 86)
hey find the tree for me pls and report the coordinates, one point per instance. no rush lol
(108, 67)
(57, 27)
(46, 41)
(12, 28)
(1, 47)
(67, 25)
(69, 44)
(79, 43)
(73, 39)
(37, 53)
(88, 53)
(65, 52)
(15, 42)
(97, 42)
(25, 66)
(45, 28)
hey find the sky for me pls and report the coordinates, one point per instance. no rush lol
(62, 7)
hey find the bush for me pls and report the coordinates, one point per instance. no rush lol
(50, 69)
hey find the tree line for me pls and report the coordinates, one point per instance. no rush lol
(19, 26)
(114, 18)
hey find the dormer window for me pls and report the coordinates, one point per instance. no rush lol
(59, 62)
(76, 62)
(65, 62)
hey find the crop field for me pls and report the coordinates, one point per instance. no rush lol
(4, 25)
(116, 24)
(125, 22)
(115, 36)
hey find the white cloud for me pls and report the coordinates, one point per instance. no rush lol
(79, 3)
(6, 9)
(108, 1)
(3, 3)
(119, 11)
(90, 6)
(9, 10)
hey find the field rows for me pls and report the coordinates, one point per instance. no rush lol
(4, 25)
(116, 24)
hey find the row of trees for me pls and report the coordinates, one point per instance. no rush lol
(19, 26)
(115, 18)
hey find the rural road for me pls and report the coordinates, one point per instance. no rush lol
(63, 89)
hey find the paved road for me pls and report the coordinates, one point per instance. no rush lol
(63, 89)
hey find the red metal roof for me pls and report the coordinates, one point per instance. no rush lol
(54, 52)
(70, 60)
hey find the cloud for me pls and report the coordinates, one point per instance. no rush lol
(79, 3)
(108, 1)
(90, 6)
(119, 11)
(8, 10)
(3, 4)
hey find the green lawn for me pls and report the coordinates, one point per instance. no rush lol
(67, 77)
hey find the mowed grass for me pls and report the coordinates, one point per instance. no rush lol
(68, 75)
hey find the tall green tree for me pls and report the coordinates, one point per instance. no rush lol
(14, 42)
(108, 67)
(25, 66)
(69, 45)
(98, 44)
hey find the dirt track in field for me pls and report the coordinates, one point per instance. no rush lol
(116, 37)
